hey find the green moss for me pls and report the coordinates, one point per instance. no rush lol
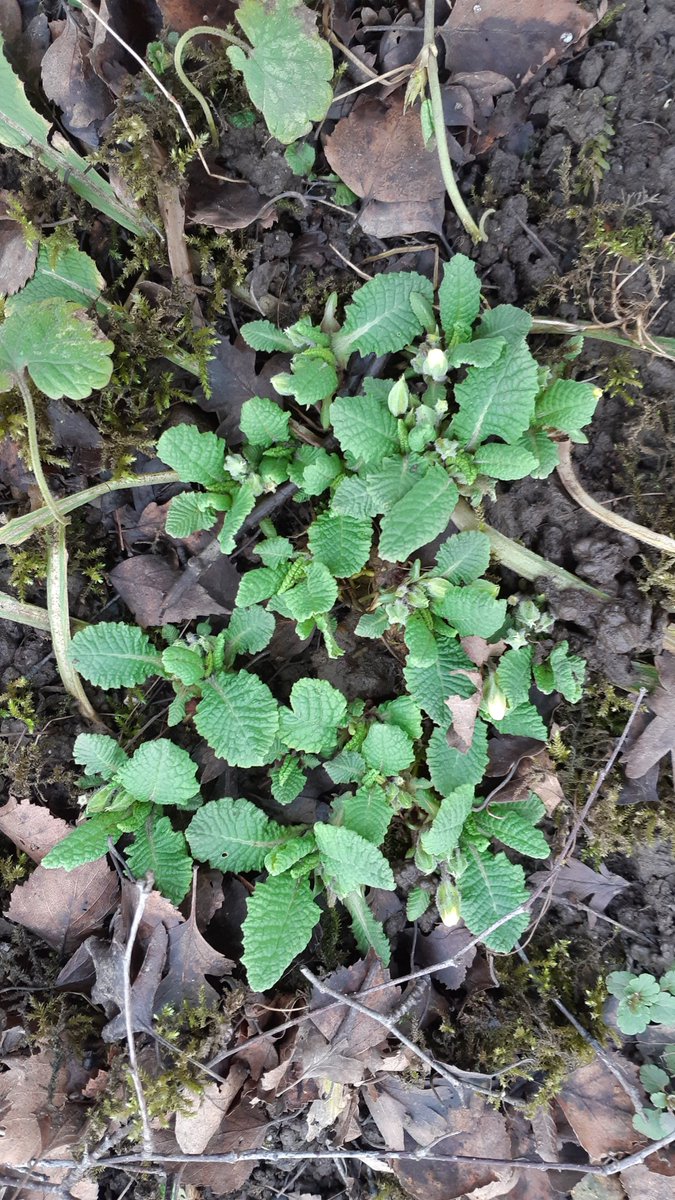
(18, 702)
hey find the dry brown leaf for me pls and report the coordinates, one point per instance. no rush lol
(145, 583)
(181, 15)
(69, 80)
(443, 943)
(576, 879)
(349, 1029)
(464, 713)
(17, 257)
(195, 1128)
(382, 220)
(639, 1183)
(599, 1111)
(109, 988)
(244, 1128)
(513, 38)
(32, 1100)
(65, 907)
(157, 910)
(31, 828)
(10, 20)
(190, 959)
(597, 1187)
(658, 738)
(224, 206)
(456, 1120)
(379, 152)
(233, 379)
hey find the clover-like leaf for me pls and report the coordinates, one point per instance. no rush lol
(63, 351)
(287, 72)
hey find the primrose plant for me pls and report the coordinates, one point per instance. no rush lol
(375, 478)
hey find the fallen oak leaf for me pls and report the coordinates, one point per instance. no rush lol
(18, 254)
(190, 959)
(512, 38)
(145, 584)
(599, 1110)
(576, 879)
(110, 987)
(32, 828)
(65, 907)
(70, 82)
(203, 1115)
(658, 739)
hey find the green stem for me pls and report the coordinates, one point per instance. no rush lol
(178, 53)
(661, 347)
(21, 528)
(524, 562)
(429, 55)
(59, 619)
(34, 449)
(28, 614)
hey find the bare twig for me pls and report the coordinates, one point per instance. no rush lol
(376, 1157)
(568, 478)
(452, 1075)
(144, 888)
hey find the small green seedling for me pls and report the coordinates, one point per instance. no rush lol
(643, 1000)
(659, 1120)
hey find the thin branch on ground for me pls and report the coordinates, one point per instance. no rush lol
(144, 888)
(374, 1158)
(568, 478)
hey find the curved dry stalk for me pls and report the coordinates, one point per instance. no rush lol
(34, 449)
(59, 620)
(429, 61)
(660, 541)
(181, 44)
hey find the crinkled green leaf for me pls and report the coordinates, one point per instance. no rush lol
(250, 630)
(481, 353)
(404, 713)
(349, 862)
(368, 813)
(86, 843)
(289, 853)
(341, 543)
(233, 835)
(567, 404)
(449, 769)
(317, 710)
(259, 584)
(514, 674)
(98, 754)
(262, 422)
(538, 443)
(497, 401)
(275, 551)
(160, 772)
(523, 721)
(372, 624)
(367, 930)
(471, 611)
(63, 351)
(239, 718)
(505, 321)
(311, 379)
(112, 654)
(562, 672)
(464, 557)
(287, 780)
(379, 318)
(162, 850)
(365, 428)
(513, 824)
(431, 686)
(442, 836)
(392, 480)
(351, 498)
(263, 335)
(196, 457)
(316, 594)
(459, 298)
(419, 516)
(188, 513)
(491, 887)
(242, 504)
(63, 271)
(417, 903)
(280, 918)
(347, 767)
(421, 643)
(288, 71)
(505, 462)
(388, 749)
(184, 663)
